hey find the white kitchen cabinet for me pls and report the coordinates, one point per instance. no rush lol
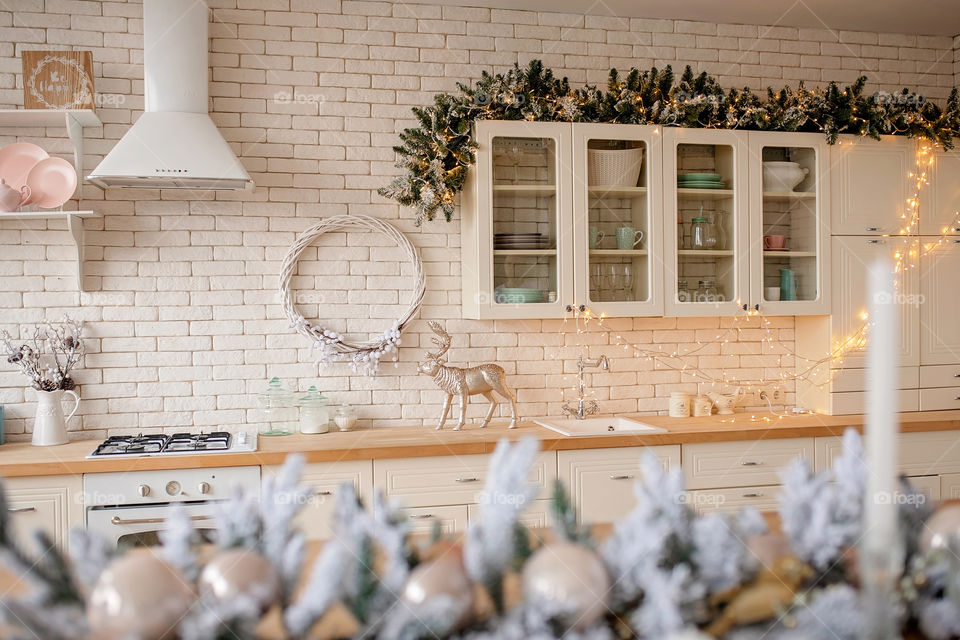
(950, 486)
(870, 184)
(940, 303)
(929, 486)
(837, 386)
(449, 480)
(52, 504)
(940, 197)
(731, 500)
(314, 519)
(450, 519)
(921, 454)
(601, 481)
(710, 465)
(537, 515)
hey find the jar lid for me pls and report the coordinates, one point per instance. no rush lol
(706, 283)
(699, 219)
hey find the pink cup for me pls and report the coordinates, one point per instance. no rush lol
(774, 242)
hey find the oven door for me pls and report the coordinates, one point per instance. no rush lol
(139, 526)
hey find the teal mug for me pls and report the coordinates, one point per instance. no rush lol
(788, 284)
(628, 237)
(596, 236)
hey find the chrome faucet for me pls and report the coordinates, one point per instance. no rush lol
(585, 407)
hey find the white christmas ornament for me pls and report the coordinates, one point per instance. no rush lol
(444, 576)
(237, 573)
(941, 527)
(568, 579)
(138, 596)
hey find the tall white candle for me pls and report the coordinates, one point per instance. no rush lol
(881, 553)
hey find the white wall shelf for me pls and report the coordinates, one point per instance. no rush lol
(73, 120)
(74, 226)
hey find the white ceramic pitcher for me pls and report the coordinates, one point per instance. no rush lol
(49, 425)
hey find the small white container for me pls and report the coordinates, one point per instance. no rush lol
(679, 404)
(345, 417)
(702, 406)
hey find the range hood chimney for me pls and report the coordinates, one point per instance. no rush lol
(174, 144)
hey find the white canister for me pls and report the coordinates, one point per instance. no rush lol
(702, 406)
(679, 404)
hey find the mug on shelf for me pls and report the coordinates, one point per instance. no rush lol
(628, 237)
(771, 294)
(774, 242)
(596, 236)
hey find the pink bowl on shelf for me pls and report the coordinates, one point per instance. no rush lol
(16, 161)
(52, 182)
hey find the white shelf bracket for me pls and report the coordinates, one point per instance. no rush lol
(75, 226)
(75, 132)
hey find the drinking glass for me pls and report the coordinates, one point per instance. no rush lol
(627, 281)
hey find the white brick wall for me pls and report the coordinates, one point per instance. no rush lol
(182, 314)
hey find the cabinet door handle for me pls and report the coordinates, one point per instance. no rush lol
(956, 242)
(621, 476)
(467, 480)
(874, 228)
(874, 241)
(750, 463)
(955, 229)
(117, 520)
(21, 509)
(324, 492)
(420, 516)
(956, 375)
(752, 495)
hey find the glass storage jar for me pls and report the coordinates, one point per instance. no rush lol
(279, 412)
(703, 234)
(314, 416)
(707, 292)
(683, 294)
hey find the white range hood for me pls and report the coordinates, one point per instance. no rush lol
(174, 144)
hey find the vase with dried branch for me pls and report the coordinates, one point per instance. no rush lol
(47, 356)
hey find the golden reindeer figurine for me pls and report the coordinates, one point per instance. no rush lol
(457, 381)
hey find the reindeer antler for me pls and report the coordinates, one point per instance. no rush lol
(443, 341)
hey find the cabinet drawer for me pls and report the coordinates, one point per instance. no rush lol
(440, 480)
(451, 518)
(855, 401)
(762, 498)
(600, 481)
(738, 464)
(941, 398)
(324, 478)
(537, 516)
(939, 375)
(921, 454)
(52, 504)
(845, 380)
(950, 486)
(927, 485)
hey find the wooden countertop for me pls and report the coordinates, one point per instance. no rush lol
(22, 459)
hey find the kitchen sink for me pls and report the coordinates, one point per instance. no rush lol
(609, 425)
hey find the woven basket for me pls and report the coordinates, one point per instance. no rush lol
(614, 167)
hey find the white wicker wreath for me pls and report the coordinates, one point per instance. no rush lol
(364, 356)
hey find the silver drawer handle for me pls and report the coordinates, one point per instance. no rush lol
(623, 476)
(752, 495)
(956, 242)
(874, 228)
(21, 509)
(874, 241)
(955, 229)
(117, 520)
(467, 479)
(324, 492)
(956, 375)
(420, 516)
(750, 463)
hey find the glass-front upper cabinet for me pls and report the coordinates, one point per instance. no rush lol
(515, 236)
(617, 200)
(706, 228)
(789, 235)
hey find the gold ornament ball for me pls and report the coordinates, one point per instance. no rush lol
(138, 596)
(443, 576)
(943, 525)
(240, 572)
(569, 578)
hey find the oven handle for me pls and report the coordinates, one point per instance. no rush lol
(117, 520)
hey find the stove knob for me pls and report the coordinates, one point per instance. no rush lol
(203, 488)
(143, 490)
(173, 488)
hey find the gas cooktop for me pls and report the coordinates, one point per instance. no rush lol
(159, 444)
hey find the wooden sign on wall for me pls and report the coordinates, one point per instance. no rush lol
(57, 79)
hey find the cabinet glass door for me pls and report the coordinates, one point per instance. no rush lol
(788, 230)
(617, 230)
(705, 187)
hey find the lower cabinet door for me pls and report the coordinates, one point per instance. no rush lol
(927, 485)
(536, 516)
(314, 519)
(600, 481)
(950, 486)
(423, 520)
(52, 504)
(731, 499)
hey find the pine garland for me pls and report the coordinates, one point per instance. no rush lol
(436, 155)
